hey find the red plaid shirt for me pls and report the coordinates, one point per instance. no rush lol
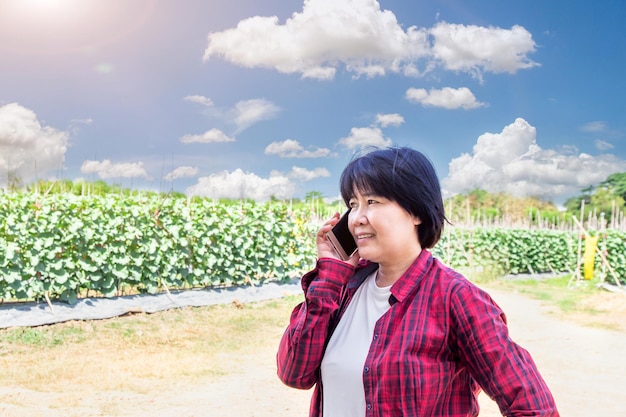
(440, 342)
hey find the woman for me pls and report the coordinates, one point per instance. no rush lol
(392, 331)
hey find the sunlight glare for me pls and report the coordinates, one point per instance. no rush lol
(47, 4)
(68, 26)
(46, 9)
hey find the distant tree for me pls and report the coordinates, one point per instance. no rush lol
(14, 182)
(175, 194)
(480, 205)
(573, 204)
(478, 197)
(604, 200)
(51, 186)
(616, 183)
(314, 197)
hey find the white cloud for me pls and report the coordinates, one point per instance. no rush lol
(448, 98)
(314, 42)
(319, 73)
(213, 135)
(238, 184)
(181, 172)
(27, 149)
(293, 149)
(594, 127)
(512, 162)
(304, 174)
(242, 115)
(601, 128)
(367, 41)
(87, 121)
(106, 169)
(205, 101)
(249, 112)
(603, 145)
(365, 136)
(75, 124)
(385, 120)
(478, 49)
(369, 70)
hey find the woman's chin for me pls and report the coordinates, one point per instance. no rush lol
(367, 255)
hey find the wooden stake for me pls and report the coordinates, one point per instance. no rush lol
(167, 292)
(45, 294)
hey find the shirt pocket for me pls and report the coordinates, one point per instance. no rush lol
(414, 386)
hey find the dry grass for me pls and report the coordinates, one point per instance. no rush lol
(136, 352)
(122, 365)
(583, 302)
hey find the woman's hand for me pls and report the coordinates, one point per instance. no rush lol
(324, 248)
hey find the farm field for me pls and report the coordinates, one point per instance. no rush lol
(219, 361)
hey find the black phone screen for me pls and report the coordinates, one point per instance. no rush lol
(340, 235)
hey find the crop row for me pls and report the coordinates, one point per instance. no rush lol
(65, 246)
(532, 251)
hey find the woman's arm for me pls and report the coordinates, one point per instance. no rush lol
(503, 369)
(302, 345)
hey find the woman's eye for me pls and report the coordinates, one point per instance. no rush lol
(372, 201)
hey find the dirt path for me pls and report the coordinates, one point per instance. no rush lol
(585, 368)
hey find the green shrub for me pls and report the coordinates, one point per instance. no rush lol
(65, 246)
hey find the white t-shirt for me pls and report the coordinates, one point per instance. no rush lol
(343, 394)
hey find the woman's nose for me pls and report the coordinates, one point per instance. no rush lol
(358, 217)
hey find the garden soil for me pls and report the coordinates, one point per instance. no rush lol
(585, 368)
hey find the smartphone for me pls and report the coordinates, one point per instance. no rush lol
(341, 239)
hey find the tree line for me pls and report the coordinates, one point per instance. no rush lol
(605, 200)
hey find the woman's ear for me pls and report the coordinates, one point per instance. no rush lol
(417, 221)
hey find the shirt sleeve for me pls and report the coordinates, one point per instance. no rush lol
(503, 369)
(302, 345)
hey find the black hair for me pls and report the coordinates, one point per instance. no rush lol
(403, 175)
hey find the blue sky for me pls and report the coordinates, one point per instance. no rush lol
(252, 98)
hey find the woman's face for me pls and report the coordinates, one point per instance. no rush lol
(384, 231)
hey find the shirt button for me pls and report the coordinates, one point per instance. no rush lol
(367, 369)
(369, 406)
(375, 336)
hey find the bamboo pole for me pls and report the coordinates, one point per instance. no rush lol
(580, 242)
(615, 278)
(604, 251)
